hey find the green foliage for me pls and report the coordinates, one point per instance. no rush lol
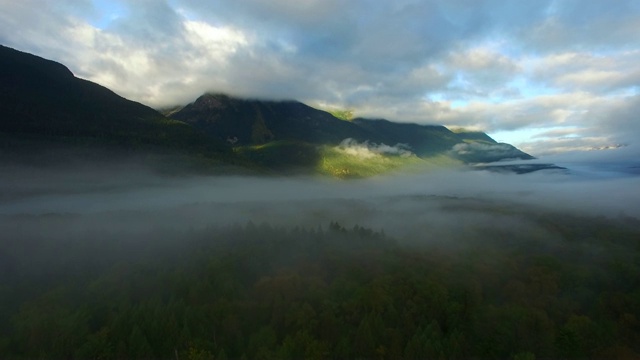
(338, 163)
(346, 115)
(334, 161)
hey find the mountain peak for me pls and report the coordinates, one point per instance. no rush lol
(253, 121)
(212, 101)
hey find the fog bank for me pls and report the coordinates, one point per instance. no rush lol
(33, 191)
(444, 203)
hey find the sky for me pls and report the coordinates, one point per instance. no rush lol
(549, 76)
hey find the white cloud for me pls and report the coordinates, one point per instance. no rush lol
(557, 145)
(589, 71)
(367, 150)
(491, 150)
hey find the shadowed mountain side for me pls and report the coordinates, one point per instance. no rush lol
(284, 156)
(424, 140)
(255, 122)
(245, 122)
(433, 140)
(42, 103)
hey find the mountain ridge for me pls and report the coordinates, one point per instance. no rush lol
(247, 122)
(44, 107)
(44, 104)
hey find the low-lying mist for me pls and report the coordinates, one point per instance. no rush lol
(108, 188)
(123, 262)
(128, 197)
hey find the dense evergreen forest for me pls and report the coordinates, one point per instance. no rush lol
(258, 291)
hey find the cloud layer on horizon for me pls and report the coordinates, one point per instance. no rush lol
(569, 69)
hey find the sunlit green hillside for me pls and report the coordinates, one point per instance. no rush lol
(342, 114)
(339, 163)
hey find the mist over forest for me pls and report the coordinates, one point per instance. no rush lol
(114, 258)
(585, 188)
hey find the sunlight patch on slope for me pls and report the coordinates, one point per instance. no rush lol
(351, 159)
(338, 163)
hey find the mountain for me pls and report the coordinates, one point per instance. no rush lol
(433, 140)
(254, 122)
(260, 129)
(44, 105)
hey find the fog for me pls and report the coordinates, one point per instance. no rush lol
(78, 242)
(134, 198)
(367, 150)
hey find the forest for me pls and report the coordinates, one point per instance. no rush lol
(566, 286)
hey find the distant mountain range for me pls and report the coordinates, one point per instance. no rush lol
(43, 105)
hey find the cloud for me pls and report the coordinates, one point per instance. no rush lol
(589, 71)
(559, 133)
(483, 67)
(561, 144)
(503, 151)
(621, 118)
(138, 198)
(367, 150)
(576, 24)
